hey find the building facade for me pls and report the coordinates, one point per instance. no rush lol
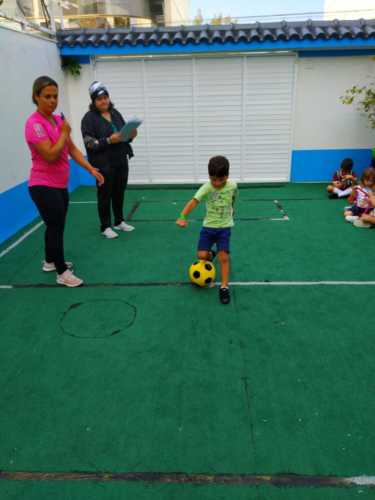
(101, 13)
(267, 96)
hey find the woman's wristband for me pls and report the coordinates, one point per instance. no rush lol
(183, 216)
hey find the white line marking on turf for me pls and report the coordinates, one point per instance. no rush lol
(82, 202)
(22, 238)
(301, 283)
(232, 283)
(278, 219)
(362, 480)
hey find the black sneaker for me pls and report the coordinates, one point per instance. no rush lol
(224, 295)
(332, 196)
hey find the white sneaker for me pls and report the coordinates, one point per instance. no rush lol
(351, 218)
(361, 223)
(50, 266)
(109, 233)
(68, 279)
(124, 227)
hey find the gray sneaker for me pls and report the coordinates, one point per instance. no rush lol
(361, 223)
(68, 279)
(125, 227)
(50, 266)
(351, 218)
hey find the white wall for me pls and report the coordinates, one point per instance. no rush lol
(76, 89)
(321, 120)
(22, 59)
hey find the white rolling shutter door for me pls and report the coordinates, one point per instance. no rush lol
(125, 83)
(218, 118)
(268, 108)
(194, 108)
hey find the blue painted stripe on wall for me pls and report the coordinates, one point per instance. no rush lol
(86, 179)
(80, 59)
(75, 176)
(319, 165)
(190, 48)
(17, 209)
(336, 53)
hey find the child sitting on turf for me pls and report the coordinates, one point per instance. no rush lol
(219, 194)
(343, 180)
(368, 219)
(362, 197)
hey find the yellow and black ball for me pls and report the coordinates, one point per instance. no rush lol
(202, 273)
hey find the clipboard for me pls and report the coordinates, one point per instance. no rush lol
(130, 125)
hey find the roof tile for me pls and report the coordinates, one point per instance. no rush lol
(257, 32)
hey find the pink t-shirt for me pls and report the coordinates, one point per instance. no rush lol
(43, 173)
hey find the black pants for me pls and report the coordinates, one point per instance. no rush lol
(112, 192)
(52, 204)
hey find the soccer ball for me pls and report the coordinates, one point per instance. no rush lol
(202, 273)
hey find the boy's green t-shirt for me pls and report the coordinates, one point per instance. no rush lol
(219, 204)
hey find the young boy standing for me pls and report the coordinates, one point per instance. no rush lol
(219, 194)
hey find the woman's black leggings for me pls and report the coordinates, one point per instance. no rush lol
(112, 192)
(52, 204)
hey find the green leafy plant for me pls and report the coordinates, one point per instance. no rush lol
(71, 65)
(364, 97)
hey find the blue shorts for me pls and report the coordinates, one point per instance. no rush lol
(209, 236)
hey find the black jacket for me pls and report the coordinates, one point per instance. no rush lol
(95, 132)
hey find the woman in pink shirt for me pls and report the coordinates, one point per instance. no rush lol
(48, 137)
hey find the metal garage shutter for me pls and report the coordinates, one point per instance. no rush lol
(194, 108)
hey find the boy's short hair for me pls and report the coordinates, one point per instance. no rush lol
(347, 164)
(368, 175)
(218, 166)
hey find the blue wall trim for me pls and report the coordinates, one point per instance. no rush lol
(191, 48)
(86, 179)
(336, 53)
(79, 59)
(319, 165)
(17, 209)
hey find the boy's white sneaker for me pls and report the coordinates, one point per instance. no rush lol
(109, 233)
(125, 227)
(68, 279)
(351, 218)
(50, 266)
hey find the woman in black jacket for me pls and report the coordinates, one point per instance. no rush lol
(101, 134)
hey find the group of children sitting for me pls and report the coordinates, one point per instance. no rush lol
(361, 195)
